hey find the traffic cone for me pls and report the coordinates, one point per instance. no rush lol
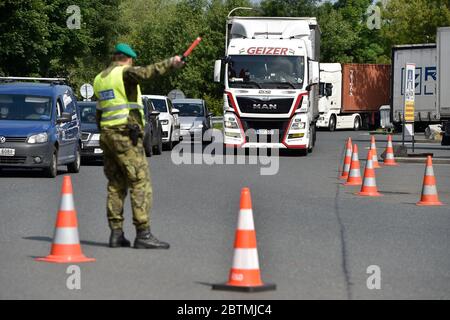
(369, 186)
(354, 177)
(429, 191)
(347, 160)
(390, 158)
(66, 246)
(245, 275)
(373, 147)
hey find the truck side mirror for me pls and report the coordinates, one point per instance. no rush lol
(314, 72)
(217, 70)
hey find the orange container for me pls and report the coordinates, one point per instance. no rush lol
(365, 87)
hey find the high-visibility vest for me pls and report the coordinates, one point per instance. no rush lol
(113, 100)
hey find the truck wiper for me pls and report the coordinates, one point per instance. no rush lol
(253, 83)
(283, 83)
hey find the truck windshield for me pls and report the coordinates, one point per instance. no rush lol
(22, 107)
(269, 72)
(189, 109)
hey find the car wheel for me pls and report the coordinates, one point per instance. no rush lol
(74, 167)
(357, 124)
(52, 170)
(332, 125)
(158, 148)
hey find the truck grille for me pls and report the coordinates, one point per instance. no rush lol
(255, 124)
(16, 139)
(272, 106)
(13, 160)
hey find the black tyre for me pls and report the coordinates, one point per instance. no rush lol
(169, 145)
(52, 170)
(332, 124)
(157, 150)
(357, 124)
(148, 145)
(74, 167)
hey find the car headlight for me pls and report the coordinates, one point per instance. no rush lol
(38, 138)
(199, 126)
(95, 137)
(164, 122)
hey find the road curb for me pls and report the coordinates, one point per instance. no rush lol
(422, 160)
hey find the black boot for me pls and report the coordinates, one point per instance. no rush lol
(117, 239)
(145, 240)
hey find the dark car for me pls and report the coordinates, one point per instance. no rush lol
(90, 135)
(153, 143)
(39, 125)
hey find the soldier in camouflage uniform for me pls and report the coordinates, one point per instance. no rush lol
(120, 118)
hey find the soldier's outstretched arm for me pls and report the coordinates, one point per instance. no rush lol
(154, 70)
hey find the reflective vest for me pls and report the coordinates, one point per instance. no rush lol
(113, 100)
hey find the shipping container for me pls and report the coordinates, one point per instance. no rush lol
(424, 56)
(366, 87)
(443, 61)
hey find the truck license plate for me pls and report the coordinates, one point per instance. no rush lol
(7, 152)
(268, 132)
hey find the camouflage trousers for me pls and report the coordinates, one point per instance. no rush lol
(126, 167)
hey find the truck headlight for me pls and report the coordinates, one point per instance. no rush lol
(164, 122)
(38, 138)
(231, 123)
(298, 125)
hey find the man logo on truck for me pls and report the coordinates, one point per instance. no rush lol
(265, 106)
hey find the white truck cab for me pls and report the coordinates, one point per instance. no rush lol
(271, 82)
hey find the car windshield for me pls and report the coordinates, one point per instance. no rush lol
(269, 72)
(160, 105)
(23, 107)
(88, 111)
(190, 109)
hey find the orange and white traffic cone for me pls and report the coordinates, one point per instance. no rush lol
(347, 160)
(369, 186)
(429, 191)
(390, 158)
(245, 275)
(373, 147)
(66, 246)
(354, 177)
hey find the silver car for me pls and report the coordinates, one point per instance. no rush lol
(195, 119)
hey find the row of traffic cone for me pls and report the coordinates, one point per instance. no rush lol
(352, 172)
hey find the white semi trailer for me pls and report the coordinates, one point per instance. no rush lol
(271, 82)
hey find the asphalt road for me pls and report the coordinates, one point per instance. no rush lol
(316, 239)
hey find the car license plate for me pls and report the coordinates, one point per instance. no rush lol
(98, 151)
(268, 132)
(7, 152)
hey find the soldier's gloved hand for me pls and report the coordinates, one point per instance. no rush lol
(177, 63)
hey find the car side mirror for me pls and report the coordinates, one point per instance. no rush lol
(64, 118)
(175, 111)
(210, 114)
(155, 113)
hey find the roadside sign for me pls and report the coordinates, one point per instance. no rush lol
(87, 91)
(410, 89)
(409, 103)
(176, 94)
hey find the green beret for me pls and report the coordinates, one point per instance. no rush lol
(126, 50)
